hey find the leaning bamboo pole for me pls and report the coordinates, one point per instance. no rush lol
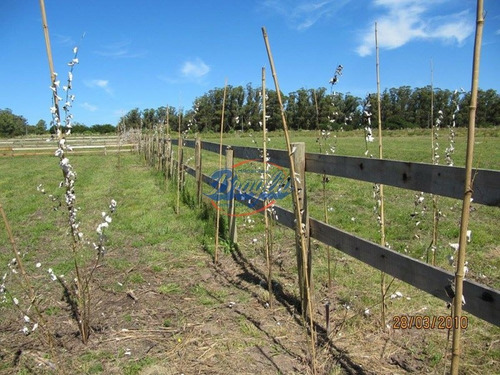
(217, 225)
(296, 183)
(48, 47)
(383, 289)
(459, 274)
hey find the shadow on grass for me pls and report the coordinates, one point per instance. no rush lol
(252, 275)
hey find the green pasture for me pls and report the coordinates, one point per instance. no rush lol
(145, 222)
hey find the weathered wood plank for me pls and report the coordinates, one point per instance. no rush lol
(189, 170)
(212, 147)
(436, 179)
(278, 157)
(481, 300)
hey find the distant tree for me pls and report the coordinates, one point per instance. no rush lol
(103, 129)
(488, 109)
(149, 118)
(11, 125)
(273, 110)
(234, 106)
(132, 120)
(40, 127)
(305, 113)
(420, 106)
(77, 128)
(401, 107)
(251, 117)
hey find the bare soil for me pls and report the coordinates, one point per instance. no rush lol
(196, 318)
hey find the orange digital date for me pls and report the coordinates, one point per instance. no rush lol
(429, 322)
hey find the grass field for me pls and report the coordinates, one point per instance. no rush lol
(181, 320)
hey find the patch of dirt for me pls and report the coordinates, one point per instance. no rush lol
(198, 319)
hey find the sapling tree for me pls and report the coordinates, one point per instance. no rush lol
(77, 292)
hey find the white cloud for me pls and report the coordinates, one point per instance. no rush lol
(194, 69)
(120, 50)
(100, 83)
(63, 40)
(89, 107)
(302, 14)
(406, 20)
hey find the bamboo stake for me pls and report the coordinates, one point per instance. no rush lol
(26, 285)
(168, 161)
(48, 47)
(383, 289)
(83, 298)
(216, 251)
(179, 166)
(459, 275)
(325, 208)
(295, 195)
(435, 212)
(328, 248)
(267, 231)
(19, 261)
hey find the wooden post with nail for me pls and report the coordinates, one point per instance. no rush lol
(231, 207)
(197, 165)
(299, 160)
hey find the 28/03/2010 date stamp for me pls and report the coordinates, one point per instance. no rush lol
(429, 322)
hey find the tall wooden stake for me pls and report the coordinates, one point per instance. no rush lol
(47, 43)
(216, 251)
(179, 165)
(198, 174)
(380, 155)
(435, 211)
(267, 231)
(459, 274)
(300, 234)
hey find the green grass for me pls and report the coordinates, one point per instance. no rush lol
(170, 288)
(146, 223)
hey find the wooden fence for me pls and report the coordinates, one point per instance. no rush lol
(80, 145)
(481, 301)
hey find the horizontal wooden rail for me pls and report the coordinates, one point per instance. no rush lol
(435, 179)
(110, 146)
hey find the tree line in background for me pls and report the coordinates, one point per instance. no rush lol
(12, 125)
(308, 109)
(402, 107)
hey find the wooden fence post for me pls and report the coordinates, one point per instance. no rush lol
(170, 159)
(153, 150)
(179, 175)
(182, 173)
(159, 152)
(233, 237)
(163, 156)
(197, 165)
(299, 158)
(150, 148)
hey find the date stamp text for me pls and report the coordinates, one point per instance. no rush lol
(429, 322)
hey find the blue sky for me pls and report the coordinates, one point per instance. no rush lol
(153, 53)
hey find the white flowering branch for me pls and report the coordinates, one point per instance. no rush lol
(78, 296)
